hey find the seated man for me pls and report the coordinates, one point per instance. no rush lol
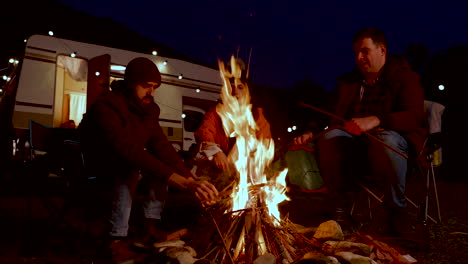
(383, 101)
(123, 142)
(215, 145)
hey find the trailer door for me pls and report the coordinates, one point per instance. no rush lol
(98, 77)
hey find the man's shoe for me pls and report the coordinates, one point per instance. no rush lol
(402, 224)
(118, 251)
(151, 233)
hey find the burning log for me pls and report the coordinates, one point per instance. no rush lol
(250, 234)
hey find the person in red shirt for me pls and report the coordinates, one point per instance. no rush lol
(214, 142)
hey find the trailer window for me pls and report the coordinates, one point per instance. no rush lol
(70, 90)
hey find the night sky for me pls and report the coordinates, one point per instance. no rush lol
(290, 40)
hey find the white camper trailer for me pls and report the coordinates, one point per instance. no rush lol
(58, 77)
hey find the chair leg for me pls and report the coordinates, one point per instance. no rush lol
(425, 211)
(426, 206)
(416, 206)
(435, 193)
(369, 194)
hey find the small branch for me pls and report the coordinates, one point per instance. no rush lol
(458, 233)
(221, 236)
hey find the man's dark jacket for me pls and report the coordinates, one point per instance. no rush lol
(120, 139)
(398, 102)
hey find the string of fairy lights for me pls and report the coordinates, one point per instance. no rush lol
(12, 64)
(163, 65)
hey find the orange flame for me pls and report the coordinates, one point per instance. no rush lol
(250, 155)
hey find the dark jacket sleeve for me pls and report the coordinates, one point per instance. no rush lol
(125, 141)
(163, 150)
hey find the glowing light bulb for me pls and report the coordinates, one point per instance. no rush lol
(183, 115)
(98, 73)
(155, 53)
(441, 87)
(51, 33)
(181, 76)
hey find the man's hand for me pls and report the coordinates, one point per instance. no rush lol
(304, 138)
(203, 190)
(221, 161)
(352, 128)
(356, 126)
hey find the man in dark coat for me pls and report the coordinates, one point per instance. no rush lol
(382, 97)
(124, 144)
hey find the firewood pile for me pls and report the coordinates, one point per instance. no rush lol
(247, 234)
(251, 236)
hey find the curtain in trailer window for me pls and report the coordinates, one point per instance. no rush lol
(77, 107)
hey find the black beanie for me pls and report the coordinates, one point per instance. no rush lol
(142, 70)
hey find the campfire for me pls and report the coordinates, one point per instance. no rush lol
(251, 225)
(249, 228)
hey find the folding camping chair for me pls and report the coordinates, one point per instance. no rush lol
(423, 165)
(48, 173)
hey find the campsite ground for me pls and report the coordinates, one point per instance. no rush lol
(74, 238)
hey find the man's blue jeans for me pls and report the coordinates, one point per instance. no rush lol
(122, 205)
(342, 156)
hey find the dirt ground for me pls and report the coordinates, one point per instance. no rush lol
(31, 233)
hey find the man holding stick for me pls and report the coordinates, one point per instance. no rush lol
(379, 111)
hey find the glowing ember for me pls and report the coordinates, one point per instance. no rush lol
(251, 155)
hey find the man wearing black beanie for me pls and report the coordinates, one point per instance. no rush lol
(123, 145)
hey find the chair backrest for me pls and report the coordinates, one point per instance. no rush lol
(434, 112)
(40, 137)
(43, 137)
(61, 145)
